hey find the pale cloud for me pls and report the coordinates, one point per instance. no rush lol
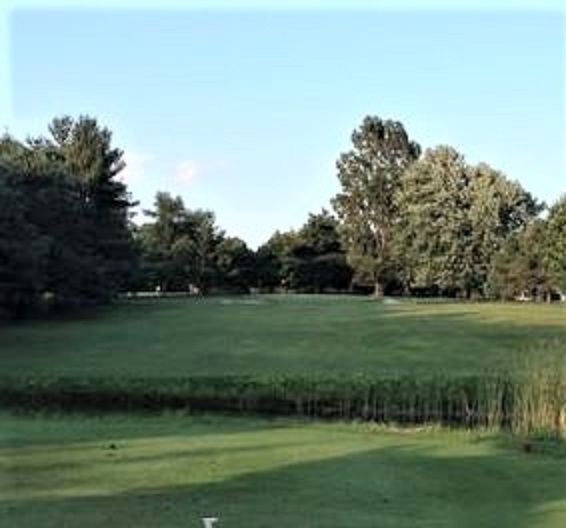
(186, 171)
(136, 166)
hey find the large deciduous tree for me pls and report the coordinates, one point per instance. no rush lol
(369, 176)
(498, 208)
(453, 220)
(432, 234)
(555, 244)
(518, 268)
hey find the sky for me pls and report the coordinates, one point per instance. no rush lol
(244, 109)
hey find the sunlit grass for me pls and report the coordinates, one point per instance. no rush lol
(170, 470)
(281, 335)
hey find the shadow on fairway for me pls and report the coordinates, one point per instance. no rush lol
(392, 487)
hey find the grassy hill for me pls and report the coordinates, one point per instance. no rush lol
(281, 335)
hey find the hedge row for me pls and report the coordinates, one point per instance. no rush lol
(466, 400)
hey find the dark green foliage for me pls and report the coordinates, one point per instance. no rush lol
(555, 245)
(311, 259)
(179, 247)
(434, 226)
(184, 250)
(65, 237)
(518, 269)
(495, 401)
(42, 224)
(268, 269)
(23, 251)
(316, 261)
(404, 399)
(156, 239)
(235, 265)
(273, 261)
(86, 151)
(532, 262)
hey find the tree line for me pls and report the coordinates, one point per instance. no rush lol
(405, 222)
(65, 237)
(432, 224)
(183, 250)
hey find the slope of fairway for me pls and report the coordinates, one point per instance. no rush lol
(170, 471)
(280, 334)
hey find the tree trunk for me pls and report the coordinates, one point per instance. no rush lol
(378, 290)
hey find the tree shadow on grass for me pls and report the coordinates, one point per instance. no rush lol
(102, 454)
(403, 486)
(50, 432)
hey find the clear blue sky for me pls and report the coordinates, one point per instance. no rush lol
(244, 112)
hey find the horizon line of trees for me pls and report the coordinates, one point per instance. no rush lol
(435, 225)
(405, 222)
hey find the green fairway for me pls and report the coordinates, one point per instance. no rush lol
(170, 471)
(280, 334)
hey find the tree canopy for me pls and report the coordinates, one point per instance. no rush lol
(66, 235)
(453, 219)
(430, 225)
(555, 244)
(369, 175)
